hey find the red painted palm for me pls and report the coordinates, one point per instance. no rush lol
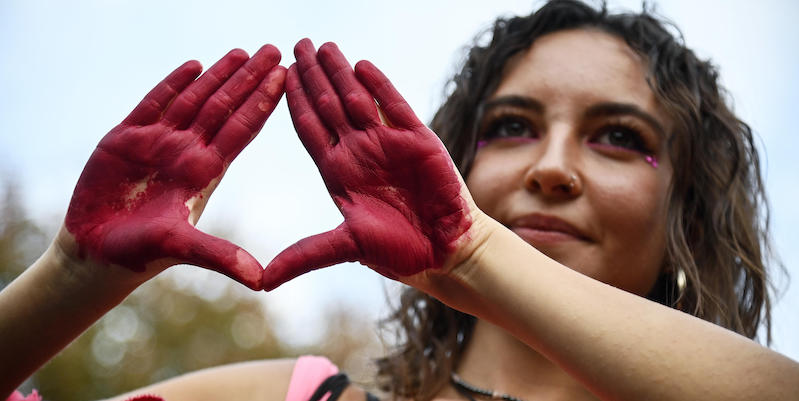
(146, 184)
(394, 182)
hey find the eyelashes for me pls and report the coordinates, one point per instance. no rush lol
(621, 137)
(615, 134)
(508, 126)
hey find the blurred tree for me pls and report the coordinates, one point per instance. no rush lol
(352, 342)
(183, 320)
(21, 241)
(160, 331)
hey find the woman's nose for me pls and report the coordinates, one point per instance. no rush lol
(552, 170)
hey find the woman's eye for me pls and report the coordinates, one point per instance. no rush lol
(509, 127)
(622, 137)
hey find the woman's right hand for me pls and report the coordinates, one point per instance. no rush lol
(133, 211)
(147, 182)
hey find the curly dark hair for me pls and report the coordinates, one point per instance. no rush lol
(717, 219)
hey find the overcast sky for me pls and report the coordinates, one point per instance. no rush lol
(72, 70)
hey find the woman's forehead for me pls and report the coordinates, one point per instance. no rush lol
(577, 69)
(585, 64)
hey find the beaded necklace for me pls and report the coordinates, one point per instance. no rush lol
(467, 390)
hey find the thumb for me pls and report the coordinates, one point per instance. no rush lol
(192, 246)
(311, 253)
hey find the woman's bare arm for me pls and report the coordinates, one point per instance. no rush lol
(133, 211)
(257, 380)
(619, 345)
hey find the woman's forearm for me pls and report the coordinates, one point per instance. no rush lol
(47, 307)
(621, 346)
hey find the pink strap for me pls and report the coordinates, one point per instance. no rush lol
(17, 396)
(309, 372)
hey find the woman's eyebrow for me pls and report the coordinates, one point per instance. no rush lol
(615, 109)
(512, 100)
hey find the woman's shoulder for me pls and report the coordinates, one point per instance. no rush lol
(266, 380)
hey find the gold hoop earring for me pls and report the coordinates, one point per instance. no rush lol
(681, 282)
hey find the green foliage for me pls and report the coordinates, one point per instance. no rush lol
(161, 330)
(183, 320)
(21, 241)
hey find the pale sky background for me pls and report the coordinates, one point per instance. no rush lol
(70, 71)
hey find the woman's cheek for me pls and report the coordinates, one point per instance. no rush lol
(487, 182)
(632, 214)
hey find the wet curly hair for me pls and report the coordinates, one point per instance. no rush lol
(717, 222)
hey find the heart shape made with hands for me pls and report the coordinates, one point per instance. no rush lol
(405, 207)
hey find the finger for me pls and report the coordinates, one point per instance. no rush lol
(149, 110)
(186, 105)
(315, 252)
(312, 132)
(248, 120)
(318, 88)
(192, 246)
(396, 109)
(358, 102)
(232, 94)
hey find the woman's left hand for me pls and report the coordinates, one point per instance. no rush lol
(406, 209)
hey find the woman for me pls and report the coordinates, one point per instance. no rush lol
(703, 258)
(580, 144)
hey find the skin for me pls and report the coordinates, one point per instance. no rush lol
(133, 211)
(616, 205)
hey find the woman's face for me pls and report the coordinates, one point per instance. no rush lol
(573, 158)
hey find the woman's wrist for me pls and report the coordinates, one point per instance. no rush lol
(49, 305)
(461, 282)
(501, 279)
(79, 273)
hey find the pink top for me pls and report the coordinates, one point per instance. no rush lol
(309, 372)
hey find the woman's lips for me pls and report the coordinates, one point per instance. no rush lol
(542, 237)
(539, 229)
